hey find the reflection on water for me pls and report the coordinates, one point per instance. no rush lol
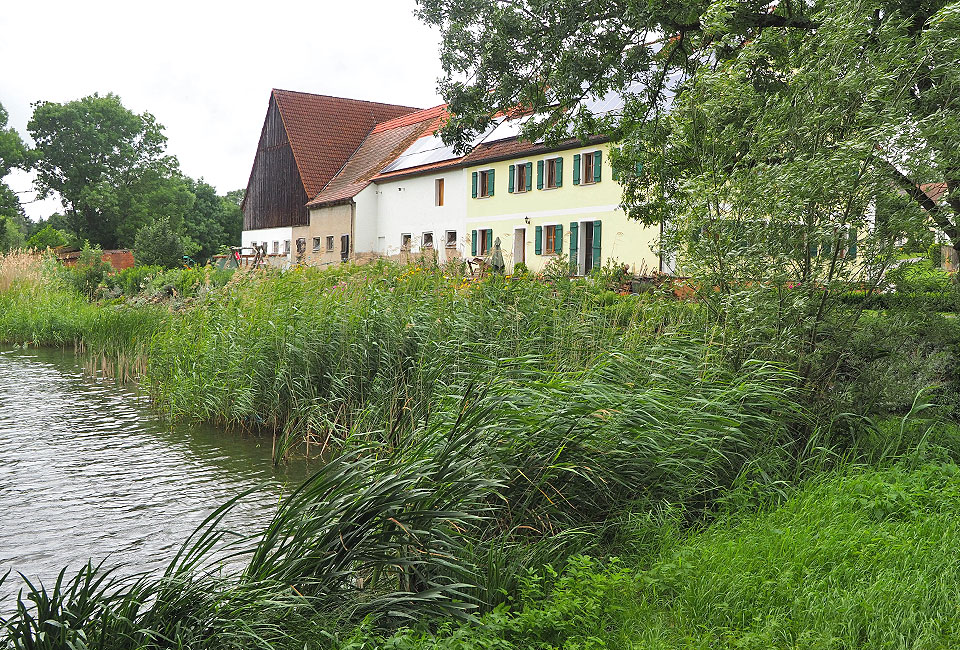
(87, 471)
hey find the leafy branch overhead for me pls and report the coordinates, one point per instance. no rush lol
(863, 95)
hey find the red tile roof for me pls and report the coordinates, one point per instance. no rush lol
(437, 114)
(324, 131)
(378, 150)
(935, 191)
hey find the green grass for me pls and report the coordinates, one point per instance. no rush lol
(854, 560)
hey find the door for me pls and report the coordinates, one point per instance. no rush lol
(519, 246)
(344, 248)
(587, 227)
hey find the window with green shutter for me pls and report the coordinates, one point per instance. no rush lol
(473, 179)
(558, 248)
(486, 183)
(539, 174)
(473, 241)
(529, 176)
(558, 165)
(510, 186)
(576, 169)
(852, 244)
(597, 166)
(489, 240)
(538, 240)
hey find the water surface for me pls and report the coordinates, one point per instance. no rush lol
(88, 471)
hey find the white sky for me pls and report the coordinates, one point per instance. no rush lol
(205, 69)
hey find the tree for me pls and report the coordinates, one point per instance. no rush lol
(213, 222)
(11, 236)
(159, 243)
(13, 154)
(552, 59)
(47, 237)
(106, 162)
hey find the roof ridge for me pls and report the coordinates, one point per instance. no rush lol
(413, 109)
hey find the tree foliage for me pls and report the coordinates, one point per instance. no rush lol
(48, 237)
(13, 154)
(159, 243)
(729, 104)
(106, 162)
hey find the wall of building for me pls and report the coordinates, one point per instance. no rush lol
(623, 240)
(330, 221)
(270, 235)
(408, 206)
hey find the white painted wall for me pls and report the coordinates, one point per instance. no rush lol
(409, 206)
(365, 220)
(270, 235)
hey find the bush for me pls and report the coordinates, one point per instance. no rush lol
(935, 255)
(919, 276)
(89, 273)
(47, 237)
(159, 244)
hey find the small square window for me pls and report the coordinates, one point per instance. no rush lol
(438, 192)
(451, 239)
(286, 246)
(316, 243)
(405, 239)
(427, 240)
(330, 242)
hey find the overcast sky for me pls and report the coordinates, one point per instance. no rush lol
(205, 69)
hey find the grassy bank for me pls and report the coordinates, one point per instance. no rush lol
(477, 433)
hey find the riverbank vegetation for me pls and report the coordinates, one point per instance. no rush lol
(524, 461)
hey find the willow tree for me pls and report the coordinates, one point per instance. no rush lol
(768, 137)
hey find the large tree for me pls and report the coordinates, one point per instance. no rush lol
(13, 154)
(728, 96)
(108, 165)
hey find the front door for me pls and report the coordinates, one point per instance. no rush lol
(587, 246)
(519, 246)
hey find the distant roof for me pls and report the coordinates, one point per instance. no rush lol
(935, 191)
(325, 131)
(385, 142)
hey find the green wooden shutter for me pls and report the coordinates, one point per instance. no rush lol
(558, 239)
(812, 248)
(597, 166)
(576, 169)
(474, 178)
(597, 260)
(473, 238)
(529, 176)
(539, 174)
(490, 182)
(538, 241)
(513, 173)
(489, 240)
(559, 171)
(639, 168)
(574, 245)
(852, 244)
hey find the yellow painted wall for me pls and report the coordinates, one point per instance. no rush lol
(623, 240)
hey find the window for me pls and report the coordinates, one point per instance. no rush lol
(330, 243)
(486, 186)
(590, 164)
(286, 246)
(405, 239)
(481, 241)
(427, 240)
(554, 173)
(438, 192)
(550, 235)
(276, 248)
(344, 248)
(521, 178)
(548, 240)
(316, 243)
(451, 239)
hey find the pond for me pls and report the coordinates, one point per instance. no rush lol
(88, 471)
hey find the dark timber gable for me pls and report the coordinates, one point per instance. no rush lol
(275, 195)
(306, 139)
